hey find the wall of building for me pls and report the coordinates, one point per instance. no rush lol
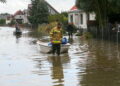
(8, 21)
(25, 19)
(79, 19)
(19, 17)
(52, 11)
(92, 16)
(4, 16)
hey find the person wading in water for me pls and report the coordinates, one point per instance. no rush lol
(70, 30)
(18, 30)
(56, 38)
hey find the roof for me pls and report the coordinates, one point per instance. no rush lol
(30, 6)
(52, 7)
(9, 17)
(19, 12)
(74, 8)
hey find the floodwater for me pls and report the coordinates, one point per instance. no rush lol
(88, 63)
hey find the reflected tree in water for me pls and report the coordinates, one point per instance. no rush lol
(57, 70)
(102, 66)
(17, 38)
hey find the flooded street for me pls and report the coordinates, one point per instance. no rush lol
(88, 63)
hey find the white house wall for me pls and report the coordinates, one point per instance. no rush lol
(84, 25)
(22, 17)
(92, 16)
(25, 19)
(52, 11)
(8, 21)
(77, 19)
(19, 16)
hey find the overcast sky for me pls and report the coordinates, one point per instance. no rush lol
(13, 5)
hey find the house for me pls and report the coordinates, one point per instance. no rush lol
(4, 16)
(80, 18)
(9, 19)
(21, 16)
(26, 14)
(51, 9)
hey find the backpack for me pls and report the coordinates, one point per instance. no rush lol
(64, 40)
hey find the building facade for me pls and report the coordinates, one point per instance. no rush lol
(51, 10)
(80, 18)
(9, 19)
(4, 16)
(21, 16)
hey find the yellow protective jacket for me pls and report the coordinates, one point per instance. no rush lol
(56, 35)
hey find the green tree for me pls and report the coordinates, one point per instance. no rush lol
(60, 17)
(2, 21)
(102, 8)
(39, 13)
(63, 18)
(3, 1)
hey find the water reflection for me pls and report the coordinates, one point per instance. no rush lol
(18, 38)
(88, 63)
(57, 72)
(118, 50)
(102, 65)
(70, 40)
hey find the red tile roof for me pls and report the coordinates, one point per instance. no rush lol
(74, 8)
(18, 13)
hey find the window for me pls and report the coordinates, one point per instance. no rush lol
(71, 18)
(76, 19)
(81, 18)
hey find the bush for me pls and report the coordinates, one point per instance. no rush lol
(2, 22)
(42, 30)
(46, 28)
(12, 23)
(60, 17)
(79, 34)
(87, 35)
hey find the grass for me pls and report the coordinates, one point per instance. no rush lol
(87, 35)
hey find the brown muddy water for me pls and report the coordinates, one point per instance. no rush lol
(88, 63)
